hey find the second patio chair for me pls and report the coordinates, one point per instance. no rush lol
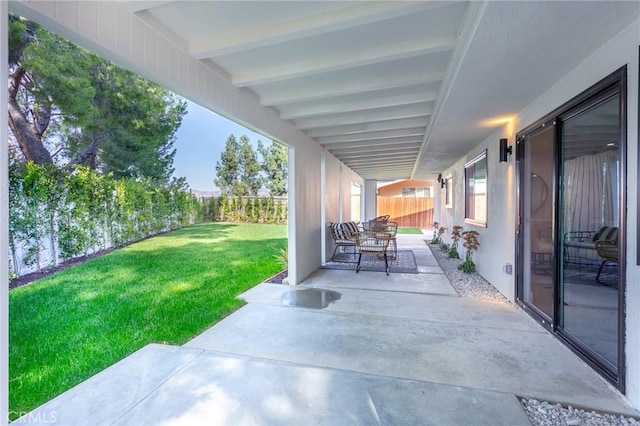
(608, 251)
(343, 234)
(391, 228)
(374, 244)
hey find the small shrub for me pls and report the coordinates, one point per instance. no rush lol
(441, 231)
(467, 266)
(471, 244)
(456, 233)
(282, 257)
(453, 252)
(436, 237)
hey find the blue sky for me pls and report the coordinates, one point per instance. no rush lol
(199, 143)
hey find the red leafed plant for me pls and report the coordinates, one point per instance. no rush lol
(456, 234)
(471, 244)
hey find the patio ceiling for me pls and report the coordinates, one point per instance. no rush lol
(392, 89)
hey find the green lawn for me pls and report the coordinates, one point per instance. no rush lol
(71, 325)
(416, 231)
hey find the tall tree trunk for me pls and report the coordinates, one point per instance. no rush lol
(28, 137)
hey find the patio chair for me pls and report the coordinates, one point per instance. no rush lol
(374, 244)
(608, 250)
(391, 228)
(581, 245)
(343, 234)
(376, 224)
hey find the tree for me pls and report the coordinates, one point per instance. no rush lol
(227, 168)
(238, 170)
(68, 106)
(274, 165)
(250, 181)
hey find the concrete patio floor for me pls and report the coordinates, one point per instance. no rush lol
(397, 349)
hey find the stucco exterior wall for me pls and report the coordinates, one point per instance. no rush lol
(498, 238)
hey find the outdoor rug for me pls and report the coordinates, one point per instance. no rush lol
(405, 263)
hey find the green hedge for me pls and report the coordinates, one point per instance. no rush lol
(55, 213)
(247, 209)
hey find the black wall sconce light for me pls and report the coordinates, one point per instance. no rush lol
(505, 150)
(440, 178)
(443, 183)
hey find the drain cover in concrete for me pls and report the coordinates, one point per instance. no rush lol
(316, 298)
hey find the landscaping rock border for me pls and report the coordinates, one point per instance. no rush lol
(467, 285)
(278, 278)
(544, 413)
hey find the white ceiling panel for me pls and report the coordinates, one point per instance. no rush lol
(394, 89)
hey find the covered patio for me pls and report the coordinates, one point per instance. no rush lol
(398, 349)
(362, 92)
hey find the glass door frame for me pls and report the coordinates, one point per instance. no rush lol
(617, 82)
(521, 170)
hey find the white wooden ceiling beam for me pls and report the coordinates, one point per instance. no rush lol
(402, 159)
(392, 173)
(385, 166)
(320, 23)
(385, 174)
(383, 157)
(468, 26)
(375, 149)
(135, 6)
(342, 60)
(380, 167)
(379, 160)
(332, 106)
(372, 144)
(161, 27)
(371, 136)
(403, 154)
(389, 113)
(406, 123)
(312, 92)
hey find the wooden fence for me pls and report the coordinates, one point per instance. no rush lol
(415, 212)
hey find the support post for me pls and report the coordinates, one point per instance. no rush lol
(370, 198)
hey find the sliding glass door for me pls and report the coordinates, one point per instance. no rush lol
(590, 226)
(570, 260)
(537, 176)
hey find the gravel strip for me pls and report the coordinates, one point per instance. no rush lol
(540, 413)
(467, 285)
(544, 413)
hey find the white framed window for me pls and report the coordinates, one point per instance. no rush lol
(475, 190)
(448, 192)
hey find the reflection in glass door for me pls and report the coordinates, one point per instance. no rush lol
(571, 221)
(536, 178)
(589, 224)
